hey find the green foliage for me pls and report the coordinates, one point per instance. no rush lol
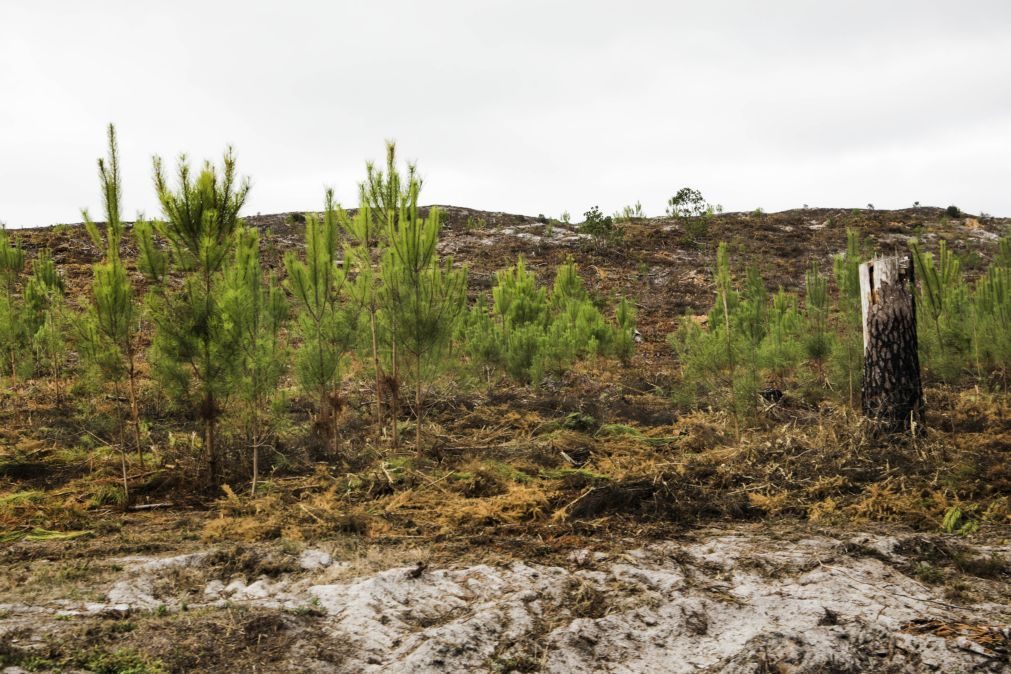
(749, 338)
(944, 306)
(325, 327)
(817, 340)
(425, 295)
(195, 348)
(959, 521)
(529, 332)
(782, 347)
(45, 320)
(991, 316)
(122, 661)
(601, 227)
(847, 358)
(380, 198)
(694, 213)
(630, 213)
(624, 338)
(255, 309)
(111, 323)
(13, 330)
(687, 203)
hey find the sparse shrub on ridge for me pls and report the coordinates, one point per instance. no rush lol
(601, 227)
(694, 213)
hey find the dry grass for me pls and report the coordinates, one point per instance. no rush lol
(524, 460)
(530, 470)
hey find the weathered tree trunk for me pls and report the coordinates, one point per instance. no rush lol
(892, 395)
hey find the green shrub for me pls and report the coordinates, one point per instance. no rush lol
(529, 332)
(693, 212)
(601, 227)
(847, 359)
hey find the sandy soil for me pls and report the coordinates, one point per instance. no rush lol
(722, 600)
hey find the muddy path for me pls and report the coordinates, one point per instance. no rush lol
(740, 599)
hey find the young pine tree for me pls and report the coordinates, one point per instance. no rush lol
(817, 340)
(326, 327)
(943, 302)
(481, 337)
(361, 254)
(781, 349)
(522, 313)
(45, 320)
(111, 326)
(13, 333)
(848, 359)
(255, 309)
(992, 312)
(624, 341)
(577, 327)
(193, 345)
(425, 295)
(722, 360)
(529, 332)
(382, 195)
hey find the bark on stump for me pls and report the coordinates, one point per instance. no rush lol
(892, 395)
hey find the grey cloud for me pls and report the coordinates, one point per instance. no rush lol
(523, 106)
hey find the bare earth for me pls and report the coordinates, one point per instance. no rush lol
(741, 599)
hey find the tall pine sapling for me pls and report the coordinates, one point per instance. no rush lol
(943, 299)
(992, 307)
(255, 309)
(361, 254)
(326, 327)
(112, 325)
(381, 195)
(425, 295)
(522, 313)
(192, 343)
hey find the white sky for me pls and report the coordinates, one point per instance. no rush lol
(523, 106)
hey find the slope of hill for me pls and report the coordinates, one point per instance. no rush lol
(586, 524)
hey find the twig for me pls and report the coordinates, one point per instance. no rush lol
(150, 506)
(310, 513)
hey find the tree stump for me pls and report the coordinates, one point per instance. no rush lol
(892, 394)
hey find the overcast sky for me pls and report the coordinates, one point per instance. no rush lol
(522, 106)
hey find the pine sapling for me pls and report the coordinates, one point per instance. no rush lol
(192, 341)
(325, 325)
(112, 324)
(13, 336)
(425, 295)
(255, 308)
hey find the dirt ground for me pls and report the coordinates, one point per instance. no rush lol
(755, 598)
